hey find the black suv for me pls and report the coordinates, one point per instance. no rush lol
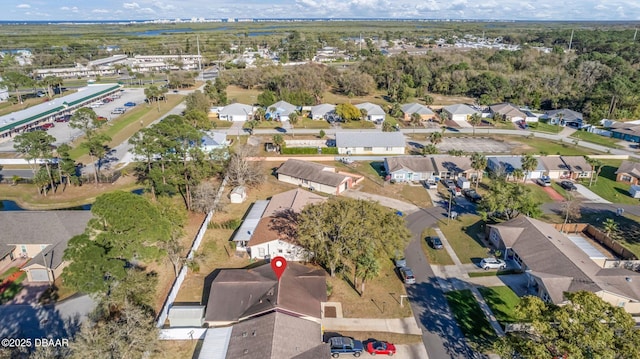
(568, 185)
(345, 345)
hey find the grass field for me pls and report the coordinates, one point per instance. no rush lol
(471, 319)
(542, 146)
(544, 127)
(435, 256)
(538, 193)
(462, 234)
(597, 139)
(354, 125)
(502, 301)
(607, 187)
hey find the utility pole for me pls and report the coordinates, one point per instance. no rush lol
(199, 58)
(360, 42)
(571, 40)
(635, 34)
(450, 200)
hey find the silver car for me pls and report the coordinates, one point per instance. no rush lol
(492, 263)
(407, 275)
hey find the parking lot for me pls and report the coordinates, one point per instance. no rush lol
(475, 144)
(65, 134)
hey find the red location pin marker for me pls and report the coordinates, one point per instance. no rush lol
(278, 264)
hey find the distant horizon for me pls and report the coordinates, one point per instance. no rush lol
(455, 10)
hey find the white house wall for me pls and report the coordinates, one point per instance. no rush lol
(289, 251)
(374, 151)
(308, 184)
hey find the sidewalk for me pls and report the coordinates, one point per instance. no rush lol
(401, 326)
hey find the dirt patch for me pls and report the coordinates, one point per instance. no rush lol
(330, 312)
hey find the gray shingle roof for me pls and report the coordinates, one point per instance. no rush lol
(372, 108)
(41, 227)
(567, 114)
(553, 163)
(411, 108)
(369, 139)
(460, 109)
(277, 335)
(295, 200)
(452, 163)
(630, 168)
(413, 163)
(311, 171)
(282, 108)
(576, 163)
(237, 294)
(551, 256)
(237, 109)
(510, 163)
(508, 110)
(322, 109)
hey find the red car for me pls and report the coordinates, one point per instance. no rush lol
(46, 126)
(380, 347)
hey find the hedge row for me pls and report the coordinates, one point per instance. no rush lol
(308, 150)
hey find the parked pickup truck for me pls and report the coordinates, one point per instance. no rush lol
(345, 345)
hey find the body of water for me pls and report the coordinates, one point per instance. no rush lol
(6, 205)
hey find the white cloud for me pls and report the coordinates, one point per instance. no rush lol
(23, 6)
(100, 11)
(72, 9)
(131, 5)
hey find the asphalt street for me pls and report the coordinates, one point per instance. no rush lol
(441, 335)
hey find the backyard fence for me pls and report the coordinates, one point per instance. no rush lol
(177, 283)
(599, 236)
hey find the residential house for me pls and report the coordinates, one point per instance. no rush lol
(565, 117)
(410, 168)
(237, 295)
(512, 112)
(370, 143)
(566, 167)
(214, 141)
(314, 176)
(323, 111)
(425, 112)
(628, 172)
(454, 167)
(275, 234)
(555, 264)
(280, 111)
(418, 168)
(505, 165)
(578, 167)
(236, 112)
(39, 238)
(459, 112)
(626, 131)
(375, 113)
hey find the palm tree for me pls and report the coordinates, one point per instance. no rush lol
(293, 120)
(475, 120)
(416, 119)
(444, 116)
(529, 163)
(610, 226)
(429, 149)
(435, 138)
(260, 114)
(517, 173)
(478, 163)
(278, 141)
(367, 267)
(595, 163)
(364, 114)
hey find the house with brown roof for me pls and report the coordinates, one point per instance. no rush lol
(40, 238)
(555, 264)
(509, 111)
(275, 234)
(566, 167)
(628, 172)
(314, 176)
(454, 166)
(237, 295)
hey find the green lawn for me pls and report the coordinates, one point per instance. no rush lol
(563, 192)
(357, 125)
(539, 193)
(305, 122)
(221, 124)
(471, 319)
(597, 139)
(544, 127)
(502, 301)
(462, 235)
(434, 256)
(607, 187)
(543, 146)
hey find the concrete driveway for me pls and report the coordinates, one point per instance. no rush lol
(589, 195)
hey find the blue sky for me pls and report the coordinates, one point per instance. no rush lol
(428, 9)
